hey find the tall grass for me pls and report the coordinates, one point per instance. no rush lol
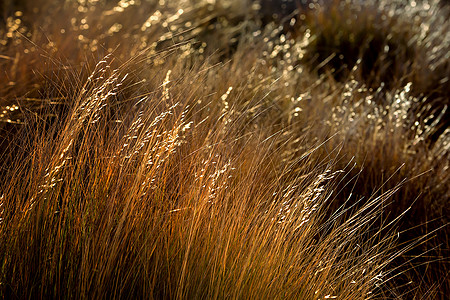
(193, 150)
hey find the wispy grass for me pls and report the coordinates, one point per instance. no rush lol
(186, 150)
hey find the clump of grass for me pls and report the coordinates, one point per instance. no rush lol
(176, 200)
(388, 44)
(153, 158)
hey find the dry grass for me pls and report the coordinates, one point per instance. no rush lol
(193, 150)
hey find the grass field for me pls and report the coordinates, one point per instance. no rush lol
(208, 149)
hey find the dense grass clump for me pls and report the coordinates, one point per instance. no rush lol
(205, 149)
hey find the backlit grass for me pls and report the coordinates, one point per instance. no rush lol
(202, 149)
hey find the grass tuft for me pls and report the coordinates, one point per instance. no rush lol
(202, 149)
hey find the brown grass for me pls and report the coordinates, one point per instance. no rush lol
(185, 151)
